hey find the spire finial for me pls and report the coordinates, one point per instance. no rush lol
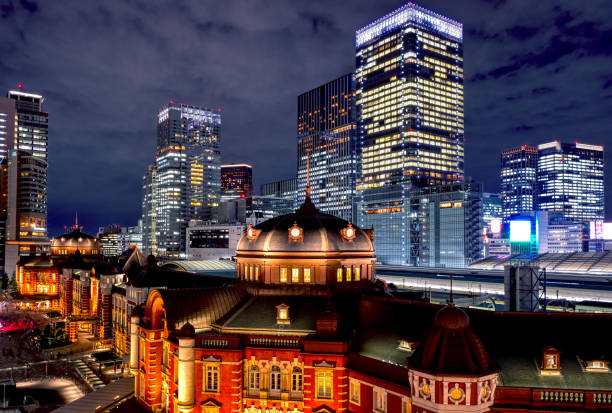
(450, 298)
(76, 219)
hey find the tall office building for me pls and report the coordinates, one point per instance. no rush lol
(286, 188)
(185, 182)
(24, 127)
(237, 180)
(326, 144)
(518, 180)
(409, 99)
(570, 179)
(447, 225)
(491, 207)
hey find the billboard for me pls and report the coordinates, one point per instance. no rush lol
(596, 229)
(520, 231)
(607, 231)
(496, 225)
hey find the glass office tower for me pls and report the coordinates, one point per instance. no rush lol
(24, 127)
(409, 99)
(326, 140)
(185, 182)
(570, 180)
(518, 180)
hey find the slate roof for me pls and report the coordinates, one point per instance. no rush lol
(199, 306)
(259, 313)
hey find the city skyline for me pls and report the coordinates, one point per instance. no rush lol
(518, 64)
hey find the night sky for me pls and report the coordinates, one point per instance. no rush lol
(534, 70)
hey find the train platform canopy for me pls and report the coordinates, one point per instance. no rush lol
(103, 398)
(596, 262)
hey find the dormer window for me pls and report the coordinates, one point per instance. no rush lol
(597, 366)
(282, 314)
(404, 345)
(551, 362)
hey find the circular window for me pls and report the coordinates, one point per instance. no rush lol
(425, 390)
(456, 394)
(485, 393)
(295, 232)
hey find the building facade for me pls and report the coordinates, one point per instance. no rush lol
(25, 180)
(446, 225)
(518, 180)
(409, 99)
(285, 188)
(207, 241)
(570, 180)
(305, 328)
(326, 145)
(185, 181)
(237, 179)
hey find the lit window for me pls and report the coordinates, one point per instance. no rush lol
(380, 400)
(357, 273)
(306, 275)
(251, 272)
(456, 394)
(296, 379)
(355, 391)
(275, 377)
(295, 275)
(324, 384)
(283, 275)
(257, 273)
(282, 314)
(212, 378)
(339, 275)
(348, 274)
(253, 378)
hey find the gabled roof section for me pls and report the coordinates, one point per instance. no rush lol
(137, 258)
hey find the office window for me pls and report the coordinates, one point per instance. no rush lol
(306, 275)
(295, 275)
(253, 378)
(212, 378)
(339, 275)
(324, 380)
(283, 275)
(296, 379)
(275, 379)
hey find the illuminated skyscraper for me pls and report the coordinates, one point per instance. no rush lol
(570, 180)
(518, 180)
(326, 140)
(24, 127)
(409, 99)
(185, 181)
(237, 179)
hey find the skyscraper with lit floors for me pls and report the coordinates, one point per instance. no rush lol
(570, 180)
(326, 144)
(24, 170)
(409, 99)
(519, 191)
(185, 181)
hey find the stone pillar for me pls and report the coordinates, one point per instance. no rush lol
(134, 347)
(186, 369)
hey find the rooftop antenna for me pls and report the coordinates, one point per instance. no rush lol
(308, 190)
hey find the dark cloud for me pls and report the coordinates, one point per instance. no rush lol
(534, 71)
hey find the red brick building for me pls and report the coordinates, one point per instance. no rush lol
(306, 327)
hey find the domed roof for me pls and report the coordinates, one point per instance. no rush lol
(75, 240)
(452, 318)
(306, 230)
(187, 330)
(451, 347)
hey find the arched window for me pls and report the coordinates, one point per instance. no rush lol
(275, 378)
(296, 379)
(253, 378)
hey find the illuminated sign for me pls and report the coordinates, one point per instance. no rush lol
(496, 226)
(596, 229)
(520, 231)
